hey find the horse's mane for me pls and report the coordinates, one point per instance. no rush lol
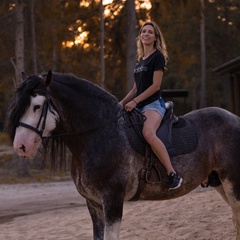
(82, 86)
(70, 86)
(64, 85)
(21, 98)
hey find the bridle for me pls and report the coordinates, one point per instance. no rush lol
(39, 129)
(48, 105)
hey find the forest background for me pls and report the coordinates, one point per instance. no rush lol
(95, 40)
(65, 36)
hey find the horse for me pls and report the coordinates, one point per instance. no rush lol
(105, 167)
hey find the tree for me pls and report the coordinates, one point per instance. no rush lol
(19, 42)
(203, 57)
(179, 22)
(22, 164)
(131, 43)
(33, 38)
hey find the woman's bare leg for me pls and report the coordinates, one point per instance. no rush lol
(153, 121)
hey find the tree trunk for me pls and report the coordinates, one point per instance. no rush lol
(131, 43)
(22, 167)
(33, 38)
(54, 56)
(102, 81)
(203, 57)
(19, 43)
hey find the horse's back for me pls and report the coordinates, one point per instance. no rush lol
(217, 128)
(212, 118)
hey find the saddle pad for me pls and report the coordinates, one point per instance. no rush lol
(183, 139)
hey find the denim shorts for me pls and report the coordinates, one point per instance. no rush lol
(158, 106)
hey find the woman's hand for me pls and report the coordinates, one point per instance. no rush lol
(130, 106)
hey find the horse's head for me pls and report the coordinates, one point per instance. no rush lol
(35, 118)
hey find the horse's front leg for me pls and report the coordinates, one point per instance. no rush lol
(96, 213)
(113, 211)
(107, 219)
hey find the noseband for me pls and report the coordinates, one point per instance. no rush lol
(39, 129)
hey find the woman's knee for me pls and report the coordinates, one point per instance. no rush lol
(148, 134)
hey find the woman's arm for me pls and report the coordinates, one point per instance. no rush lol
(129, 96)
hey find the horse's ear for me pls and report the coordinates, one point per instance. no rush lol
(48, 78)
(24, 76)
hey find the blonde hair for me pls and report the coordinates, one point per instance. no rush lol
(159, 44)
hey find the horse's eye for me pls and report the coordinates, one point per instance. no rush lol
(36, 107)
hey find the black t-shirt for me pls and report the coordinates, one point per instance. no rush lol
(143, 75)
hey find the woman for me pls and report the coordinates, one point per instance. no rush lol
(145, 94)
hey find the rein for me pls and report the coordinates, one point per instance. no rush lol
(39, 129)
(140, 120)
(84, 131)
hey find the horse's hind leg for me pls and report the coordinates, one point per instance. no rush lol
(235, 206)
(234, 203)
(96, 213)
(221, 191)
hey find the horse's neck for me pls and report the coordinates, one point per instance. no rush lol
(84, 105)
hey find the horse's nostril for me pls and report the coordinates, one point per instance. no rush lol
(23, 148)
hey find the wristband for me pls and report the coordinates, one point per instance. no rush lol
(135, 101)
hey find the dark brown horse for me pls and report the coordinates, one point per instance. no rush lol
(105, 167)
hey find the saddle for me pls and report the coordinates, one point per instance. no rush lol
(177, 133)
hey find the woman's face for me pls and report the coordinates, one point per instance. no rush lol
(147, 35)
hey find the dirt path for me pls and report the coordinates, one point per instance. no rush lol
(51, 211)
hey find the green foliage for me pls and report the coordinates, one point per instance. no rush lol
(57, 22)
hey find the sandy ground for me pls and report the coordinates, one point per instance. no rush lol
(50, 211)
